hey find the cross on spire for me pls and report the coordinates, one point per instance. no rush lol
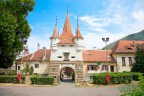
(67, 8)
(56, 22)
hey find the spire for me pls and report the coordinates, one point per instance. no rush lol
(55, 32)
(77, 22)
(67, 8)
(78, 34)
(67, 36)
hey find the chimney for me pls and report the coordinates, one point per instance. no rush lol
(94, 48)
(134, 43)
(38, 46)
(44, 53)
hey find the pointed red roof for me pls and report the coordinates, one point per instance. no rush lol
(55, 33)
(66, 37)
(78, 34)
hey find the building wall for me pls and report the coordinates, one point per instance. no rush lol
(66, 48)
(119, 62)
(43, 67)
(89, 73)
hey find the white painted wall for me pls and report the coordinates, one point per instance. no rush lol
(72, 50)
(43, 67)
(119, 62)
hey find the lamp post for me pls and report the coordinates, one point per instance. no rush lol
(106, 40)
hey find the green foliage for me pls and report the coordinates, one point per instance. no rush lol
(10, 79)
(8, 72)
(135, 36)
(115, 78)
(139, 64)
(134, 90)
(26, 69)
(31, 70)
(41, 80)
(14, 29)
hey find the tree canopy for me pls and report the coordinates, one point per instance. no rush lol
(139, 60)
(14, 29)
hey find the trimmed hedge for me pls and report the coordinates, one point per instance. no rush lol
(40, 80)
(10, 79)
(115, 78)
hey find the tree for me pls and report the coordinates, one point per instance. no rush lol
(31, 70)
(14, 29)
(139, 62)
(26, 69)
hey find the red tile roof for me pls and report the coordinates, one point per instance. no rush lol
(26, 52)
(78, 34)
(126, 46)
(66, 36)
(55, 33)
(37, 56)
(27, 58)
(97, 56)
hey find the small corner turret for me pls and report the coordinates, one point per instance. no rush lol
(54, 38)
(78, 38)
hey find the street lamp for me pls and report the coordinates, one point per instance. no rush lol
(106, 40)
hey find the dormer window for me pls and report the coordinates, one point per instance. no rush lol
(129, 48)
(62, 45)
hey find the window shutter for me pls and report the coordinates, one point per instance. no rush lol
(87, 67)
(102, 67)
(96, 67)
(106, 67)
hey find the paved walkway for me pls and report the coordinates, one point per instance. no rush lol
(60, 90)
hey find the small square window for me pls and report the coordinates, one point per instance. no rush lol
(36, 65)
(71, 45)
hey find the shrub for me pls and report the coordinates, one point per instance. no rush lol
(10, 79)
(8, 72)
(41, 80)
(134, 90)
(115, 78)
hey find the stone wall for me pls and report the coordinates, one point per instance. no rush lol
(54, 69)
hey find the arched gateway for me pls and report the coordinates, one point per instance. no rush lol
(66, 71)
(67, 74)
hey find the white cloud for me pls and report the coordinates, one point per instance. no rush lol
(139, 16)
(95, 22)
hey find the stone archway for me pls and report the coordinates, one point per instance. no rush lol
(67, 74)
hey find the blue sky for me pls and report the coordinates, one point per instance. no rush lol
(97, 19)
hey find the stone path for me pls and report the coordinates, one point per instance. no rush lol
(64, 89)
